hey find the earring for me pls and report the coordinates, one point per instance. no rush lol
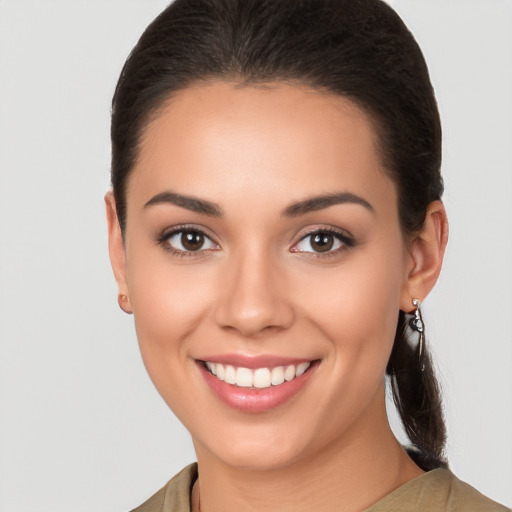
(416, 324)
(122, 300)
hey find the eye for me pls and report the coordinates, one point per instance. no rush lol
(187, 241)
(322, 241)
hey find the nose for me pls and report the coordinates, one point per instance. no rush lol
(253, 300)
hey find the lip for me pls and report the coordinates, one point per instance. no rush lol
(256, 400)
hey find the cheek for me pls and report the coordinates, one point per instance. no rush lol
(357, 303)
(356, 307)
(168, 301)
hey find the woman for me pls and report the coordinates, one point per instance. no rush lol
(275, 224)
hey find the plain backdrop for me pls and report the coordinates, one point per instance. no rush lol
(81, 427)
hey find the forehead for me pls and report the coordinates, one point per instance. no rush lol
(281, 141)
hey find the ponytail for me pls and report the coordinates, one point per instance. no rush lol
(417, 397)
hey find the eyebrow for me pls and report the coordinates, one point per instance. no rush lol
(309, 205)
(314, 204)
(189, 202)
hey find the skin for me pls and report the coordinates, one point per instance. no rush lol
(258, 289)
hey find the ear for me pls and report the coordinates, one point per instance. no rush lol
(116, 251)
(426, 252)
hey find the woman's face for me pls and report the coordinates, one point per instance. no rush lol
(262, 240)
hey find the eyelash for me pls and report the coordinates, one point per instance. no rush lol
(164, 238)
(345, 239)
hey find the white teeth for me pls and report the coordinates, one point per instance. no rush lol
(244, 377)
(301, 368)
(230, 375)
(277, 376)
(262, 378)
(289, 373)
(259, 378)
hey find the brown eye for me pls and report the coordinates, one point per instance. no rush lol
(322, 242)
(188, 240)
(192, 240)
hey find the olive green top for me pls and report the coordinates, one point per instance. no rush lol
(438, 490)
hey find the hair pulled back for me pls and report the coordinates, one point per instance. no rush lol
(358, 49)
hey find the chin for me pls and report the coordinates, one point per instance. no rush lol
(260, 459)
(255, 448)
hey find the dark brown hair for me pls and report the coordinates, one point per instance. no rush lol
(359, 49)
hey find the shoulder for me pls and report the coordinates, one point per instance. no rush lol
(440, 491)
(175, 495)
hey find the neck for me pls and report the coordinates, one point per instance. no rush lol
(350, 475)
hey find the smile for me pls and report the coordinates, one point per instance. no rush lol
(256, 385)
(258, 378)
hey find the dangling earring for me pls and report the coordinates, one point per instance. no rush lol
(122, 300)
(416, 324)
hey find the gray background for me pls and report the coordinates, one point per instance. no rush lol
(81, 427)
